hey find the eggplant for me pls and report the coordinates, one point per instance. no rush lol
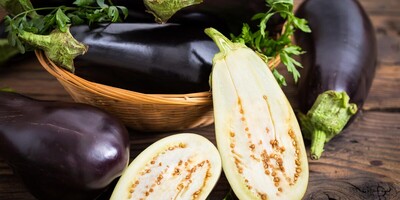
(339, 66)
(180, 166)
(146, 57)
(232, 13)
(257, 133)
(61, 150)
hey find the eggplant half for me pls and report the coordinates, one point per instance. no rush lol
(339, 66)
(61, 150)
(181, 166)
(257, 133)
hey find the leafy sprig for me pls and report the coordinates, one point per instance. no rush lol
(83, 12)
(267, 44)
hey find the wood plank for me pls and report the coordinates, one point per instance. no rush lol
(385, 90)
(361, 163)
(28, 77)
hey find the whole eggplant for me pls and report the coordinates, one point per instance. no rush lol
(61, 150)
(232, 13)
(146, 57)
(341, 58)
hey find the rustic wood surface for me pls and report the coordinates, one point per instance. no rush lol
(361, 163)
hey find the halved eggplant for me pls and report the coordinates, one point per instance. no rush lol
(257, 133)
(181, 166)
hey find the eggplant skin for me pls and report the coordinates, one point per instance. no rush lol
(341, 51)
(146, 57)
(61, 150)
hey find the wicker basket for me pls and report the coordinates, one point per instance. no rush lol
(143, 112)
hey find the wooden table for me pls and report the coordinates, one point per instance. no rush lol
(361, 163)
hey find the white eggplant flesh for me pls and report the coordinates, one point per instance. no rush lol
(181, 166)
(258, 136)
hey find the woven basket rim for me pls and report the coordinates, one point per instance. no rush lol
(66, 77)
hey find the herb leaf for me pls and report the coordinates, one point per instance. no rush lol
(23, 26)
(62, 20)
(271, 46)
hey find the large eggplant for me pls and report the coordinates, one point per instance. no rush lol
(257, 133)
(232, 13)
(146, 57)
(61, 150)
(339, 65)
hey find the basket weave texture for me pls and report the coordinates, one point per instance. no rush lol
(139, 111)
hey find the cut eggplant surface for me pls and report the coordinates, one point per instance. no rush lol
(181, 166)
(257, 133)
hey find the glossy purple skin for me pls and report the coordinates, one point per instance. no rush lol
(341, 52)
(146, 57)
(61, 150)
(231, 12)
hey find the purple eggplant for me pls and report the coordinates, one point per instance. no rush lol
(61, 150)
(232, 13)
(339, 66)
(146, 57)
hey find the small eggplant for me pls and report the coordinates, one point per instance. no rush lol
(61, 150)
(339, 66)
(146, 57)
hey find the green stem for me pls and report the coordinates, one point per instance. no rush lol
(60, 47)
(317, 144)
(326, 118)
(224, 44)
(43, 42)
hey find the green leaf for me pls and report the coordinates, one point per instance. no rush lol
(62, 20)
(124, 11)
(113, 13)
(294, 50)
(258, 16)
(84, 2)
(262, 42)
(76, 19)
(301, 24)
(279, 78)
(101, 4)
(263, 23)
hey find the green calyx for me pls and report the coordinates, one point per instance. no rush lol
(60, 47)
(163, 10)
(326, 118)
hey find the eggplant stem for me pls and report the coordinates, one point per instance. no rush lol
(60, 47)
(317, 144)
(327, 118)
(223, 43)
(164, 10)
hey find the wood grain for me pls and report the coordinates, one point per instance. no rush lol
(363, 162)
